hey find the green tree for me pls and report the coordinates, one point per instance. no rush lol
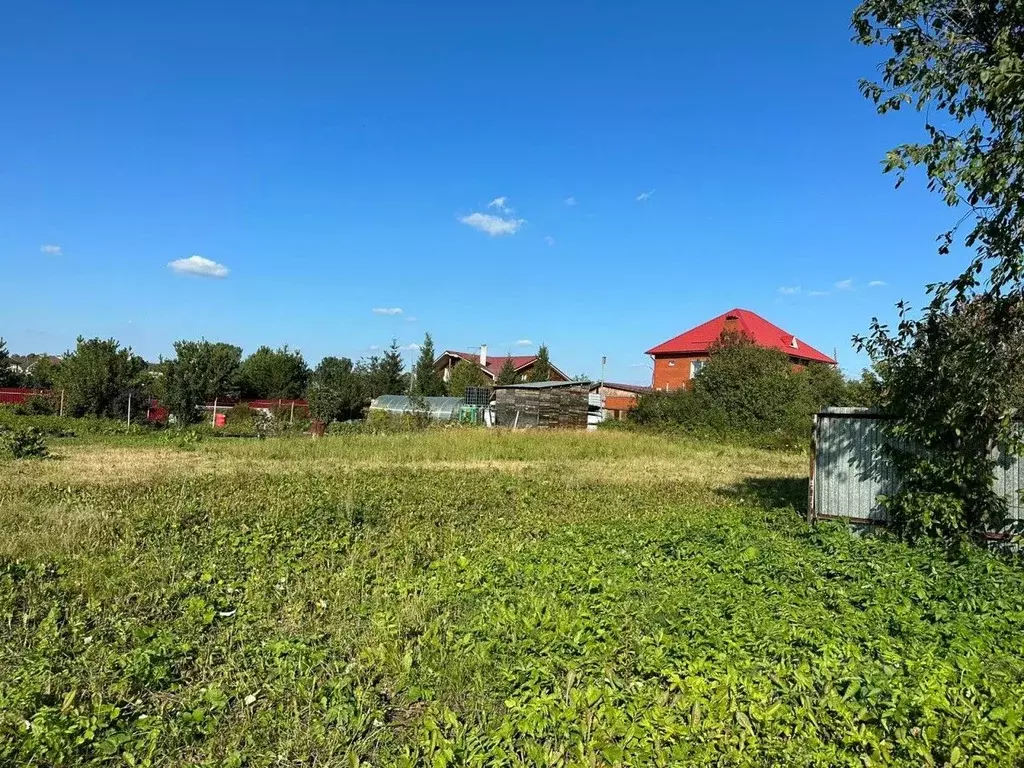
(541, 370)
(336, 391)
(388, 375)
(425, 381)
(269, 374)
(947, 372)
(100, 377)
(866, 391)
(43, 374)
(200, 372)
(8, 376)
(751, 389)
(466, 374)
(823, 386)
(507, 374)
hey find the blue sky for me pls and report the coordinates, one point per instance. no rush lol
(654, 164)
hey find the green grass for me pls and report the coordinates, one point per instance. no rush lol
(464, 597)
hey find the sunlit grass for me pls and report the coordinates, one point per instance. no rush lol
(465, 597)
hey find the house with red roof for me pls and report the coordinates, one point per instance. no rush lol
(679, 359)
(491, 366)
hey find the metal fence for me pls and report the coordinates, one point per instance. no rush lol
(849, 471)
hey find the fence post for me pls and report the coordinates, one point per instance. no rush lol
(291, 416)
(814, 461)
(62, 403)
(129, 410)
(214, 422)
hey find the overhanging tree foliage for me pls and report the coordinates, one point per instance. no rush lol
(961, 62)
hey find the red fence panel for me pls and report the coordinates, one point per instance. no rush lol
(18, 395)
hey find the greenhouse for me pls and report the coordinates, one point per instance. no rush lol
(437, 408)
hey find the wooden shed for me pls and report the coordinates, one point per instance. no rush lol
(560, 404)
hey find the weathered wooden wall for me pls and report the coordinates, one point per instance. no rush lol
(562, 407)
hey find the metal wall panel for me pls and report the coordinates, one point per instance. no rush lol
(850, 472)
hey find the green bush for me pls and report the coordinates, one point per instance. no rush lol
(746, 393)
(66, 426)
(23, 443)
(382, 422)
(36, 405)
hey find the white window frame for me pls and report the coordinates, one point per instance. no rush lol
(696, 366)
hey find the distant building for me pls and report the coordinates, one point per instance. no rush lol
(678, 360)
(619, 399)
(491, 366)
(24, 364)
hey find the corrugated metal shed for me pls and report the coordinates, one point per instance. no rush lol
(849, 472)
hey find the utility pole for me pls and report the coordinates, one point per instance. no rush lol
(604, 360)
(129, 410)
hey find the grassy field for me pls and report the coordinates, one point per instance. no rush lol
(481, 598)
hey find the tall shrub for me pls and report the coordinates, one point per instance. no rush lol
(269, 374)
(201, 371)
(335, 390)
(100, 378)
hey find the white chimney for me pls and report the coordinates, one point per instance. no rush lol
(483, 355)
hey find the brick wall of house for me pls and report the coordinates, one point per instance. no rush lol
(673, 371)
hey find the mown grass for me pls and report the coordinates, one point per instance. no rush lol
(480, 598)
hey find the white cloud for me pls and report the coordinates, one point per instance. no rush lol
(845, 285)
(877, 284)
(410, 348)
(549, 240)
(817, 293)
(410, 319)
(374, 347)
(199, 265)
(639, 365)
(789, 290)
(387, 310)
(501, 203)
(51, 250)
(570, 201)
(644, 196)
(523, 343)
(495, 226)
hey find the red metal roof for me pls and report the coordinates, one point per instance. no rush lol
(763, 333)
(495, 364)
